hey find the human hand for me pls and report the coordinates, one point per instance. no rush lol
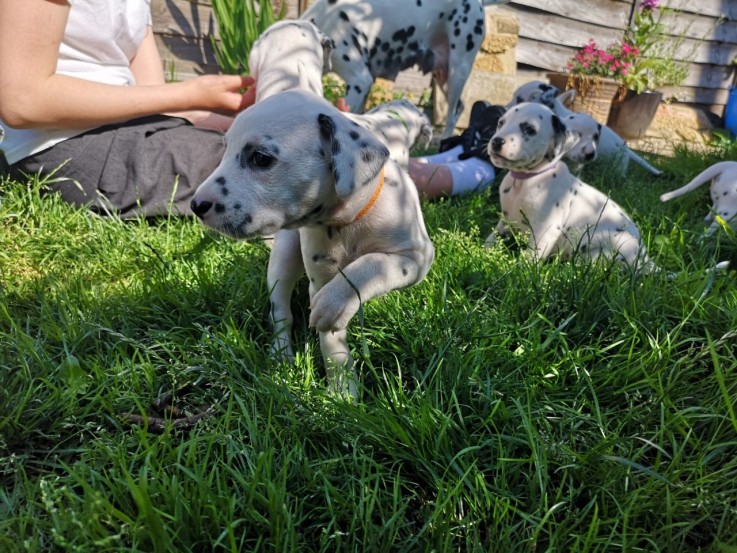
(225, 94)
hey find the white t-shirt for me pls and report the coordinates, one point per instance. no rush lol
(99, 41)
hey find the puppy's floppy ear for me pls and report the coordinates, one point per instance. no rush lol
(563, 139)
(355, 155)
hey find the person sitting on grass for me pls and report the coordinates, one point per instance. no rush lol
(83, 97)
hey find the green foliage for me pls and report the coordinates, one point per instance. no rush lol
(240, 23)
(507, 406)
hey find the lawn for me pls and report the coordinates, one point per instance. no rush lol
(506, 406)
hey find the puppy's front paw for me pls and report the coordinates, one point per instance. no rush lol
(333, 306)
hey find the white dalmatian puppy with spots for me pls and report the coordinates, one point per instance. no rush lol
(293, 161)
(399, 124)
(380, 38)
(289, 54)
(597, 141)
(534, 91)
(723, 177)
(558, 212)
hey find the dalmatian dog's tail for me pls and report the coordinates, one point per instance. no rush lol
(703, 177)
(643, 163)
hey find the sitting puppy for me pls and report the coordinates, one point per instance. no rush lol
(541, 197)
(597, 141)
(289, 54)
(294, 161)
(399, 124)
(723, 178)
(534, 91)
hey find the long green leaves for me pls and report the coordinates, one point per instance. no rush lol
(240, 23)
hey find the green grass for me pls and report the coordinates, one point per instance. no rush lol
(507, 406)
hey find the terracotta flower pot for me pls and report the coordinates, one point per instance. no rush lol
(632, 113)
(594, 96)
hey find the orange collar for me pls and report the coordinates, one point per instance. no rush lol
(374, 197)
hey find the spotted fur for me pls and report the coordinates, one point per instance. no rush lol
(380, 38)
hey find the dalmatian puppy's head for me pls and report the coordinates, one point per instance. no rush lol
(534, 91)
(291, 53)
(589, 130)
(530, 135)
(290, 160)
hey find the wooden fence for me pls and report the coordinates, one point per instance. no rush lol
(550, 32)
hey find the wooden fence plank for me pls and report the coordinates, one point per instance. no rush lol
(608, 13)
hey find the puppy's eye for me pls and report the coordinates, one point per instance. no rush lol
(596, 137)
(527, 129)
(261, 160)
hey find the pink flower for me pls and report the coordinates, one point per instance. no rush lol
(649, 4)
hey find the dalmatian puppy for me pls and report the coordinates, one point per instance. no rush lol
(289, 54)
(293, 161)
(534, 91)
(723, 177)
(541, 198)
(399, 124)
(597, 141)
(380, 38)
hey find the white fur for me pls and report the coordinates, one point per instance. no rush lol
(289, 54)
(534, 91)
(380, 38)
(597, 141)
(294, 161)
(399, 124)
(723, 177)
(559, 213)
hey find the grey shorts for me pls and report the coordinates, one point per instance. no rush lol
(144, 167)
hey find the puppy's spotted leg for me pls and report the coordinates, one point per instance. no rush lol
(372, 275)
(357, 89)
(284, 270)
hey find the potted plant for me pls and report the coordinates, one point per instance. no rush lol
(594, 73)
(632, 69)
(652, 65)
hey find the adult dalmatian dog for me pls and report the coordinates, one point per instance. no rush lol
(723, 177)
(380, 38)
(541, 198)
(293, 161)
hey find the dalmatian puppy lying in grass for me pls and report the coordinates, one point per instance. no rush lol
(293, 161)
(541, 198)
(723, 177)
(380, 38)
(597, 141)
(399, 124)
(534, 91)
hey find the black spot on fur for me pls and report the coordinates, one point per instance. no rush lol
(219, 208)
(327, 127)
(346, 58)
(224, 191)
(343, 15)
(220, 181)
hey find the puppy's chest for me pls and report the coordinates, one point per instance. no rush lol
(329, 248)
(530, 198)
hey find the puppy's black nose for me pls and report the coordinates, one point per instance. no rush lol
(200, 208)
(590, 155)
(496, 144)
